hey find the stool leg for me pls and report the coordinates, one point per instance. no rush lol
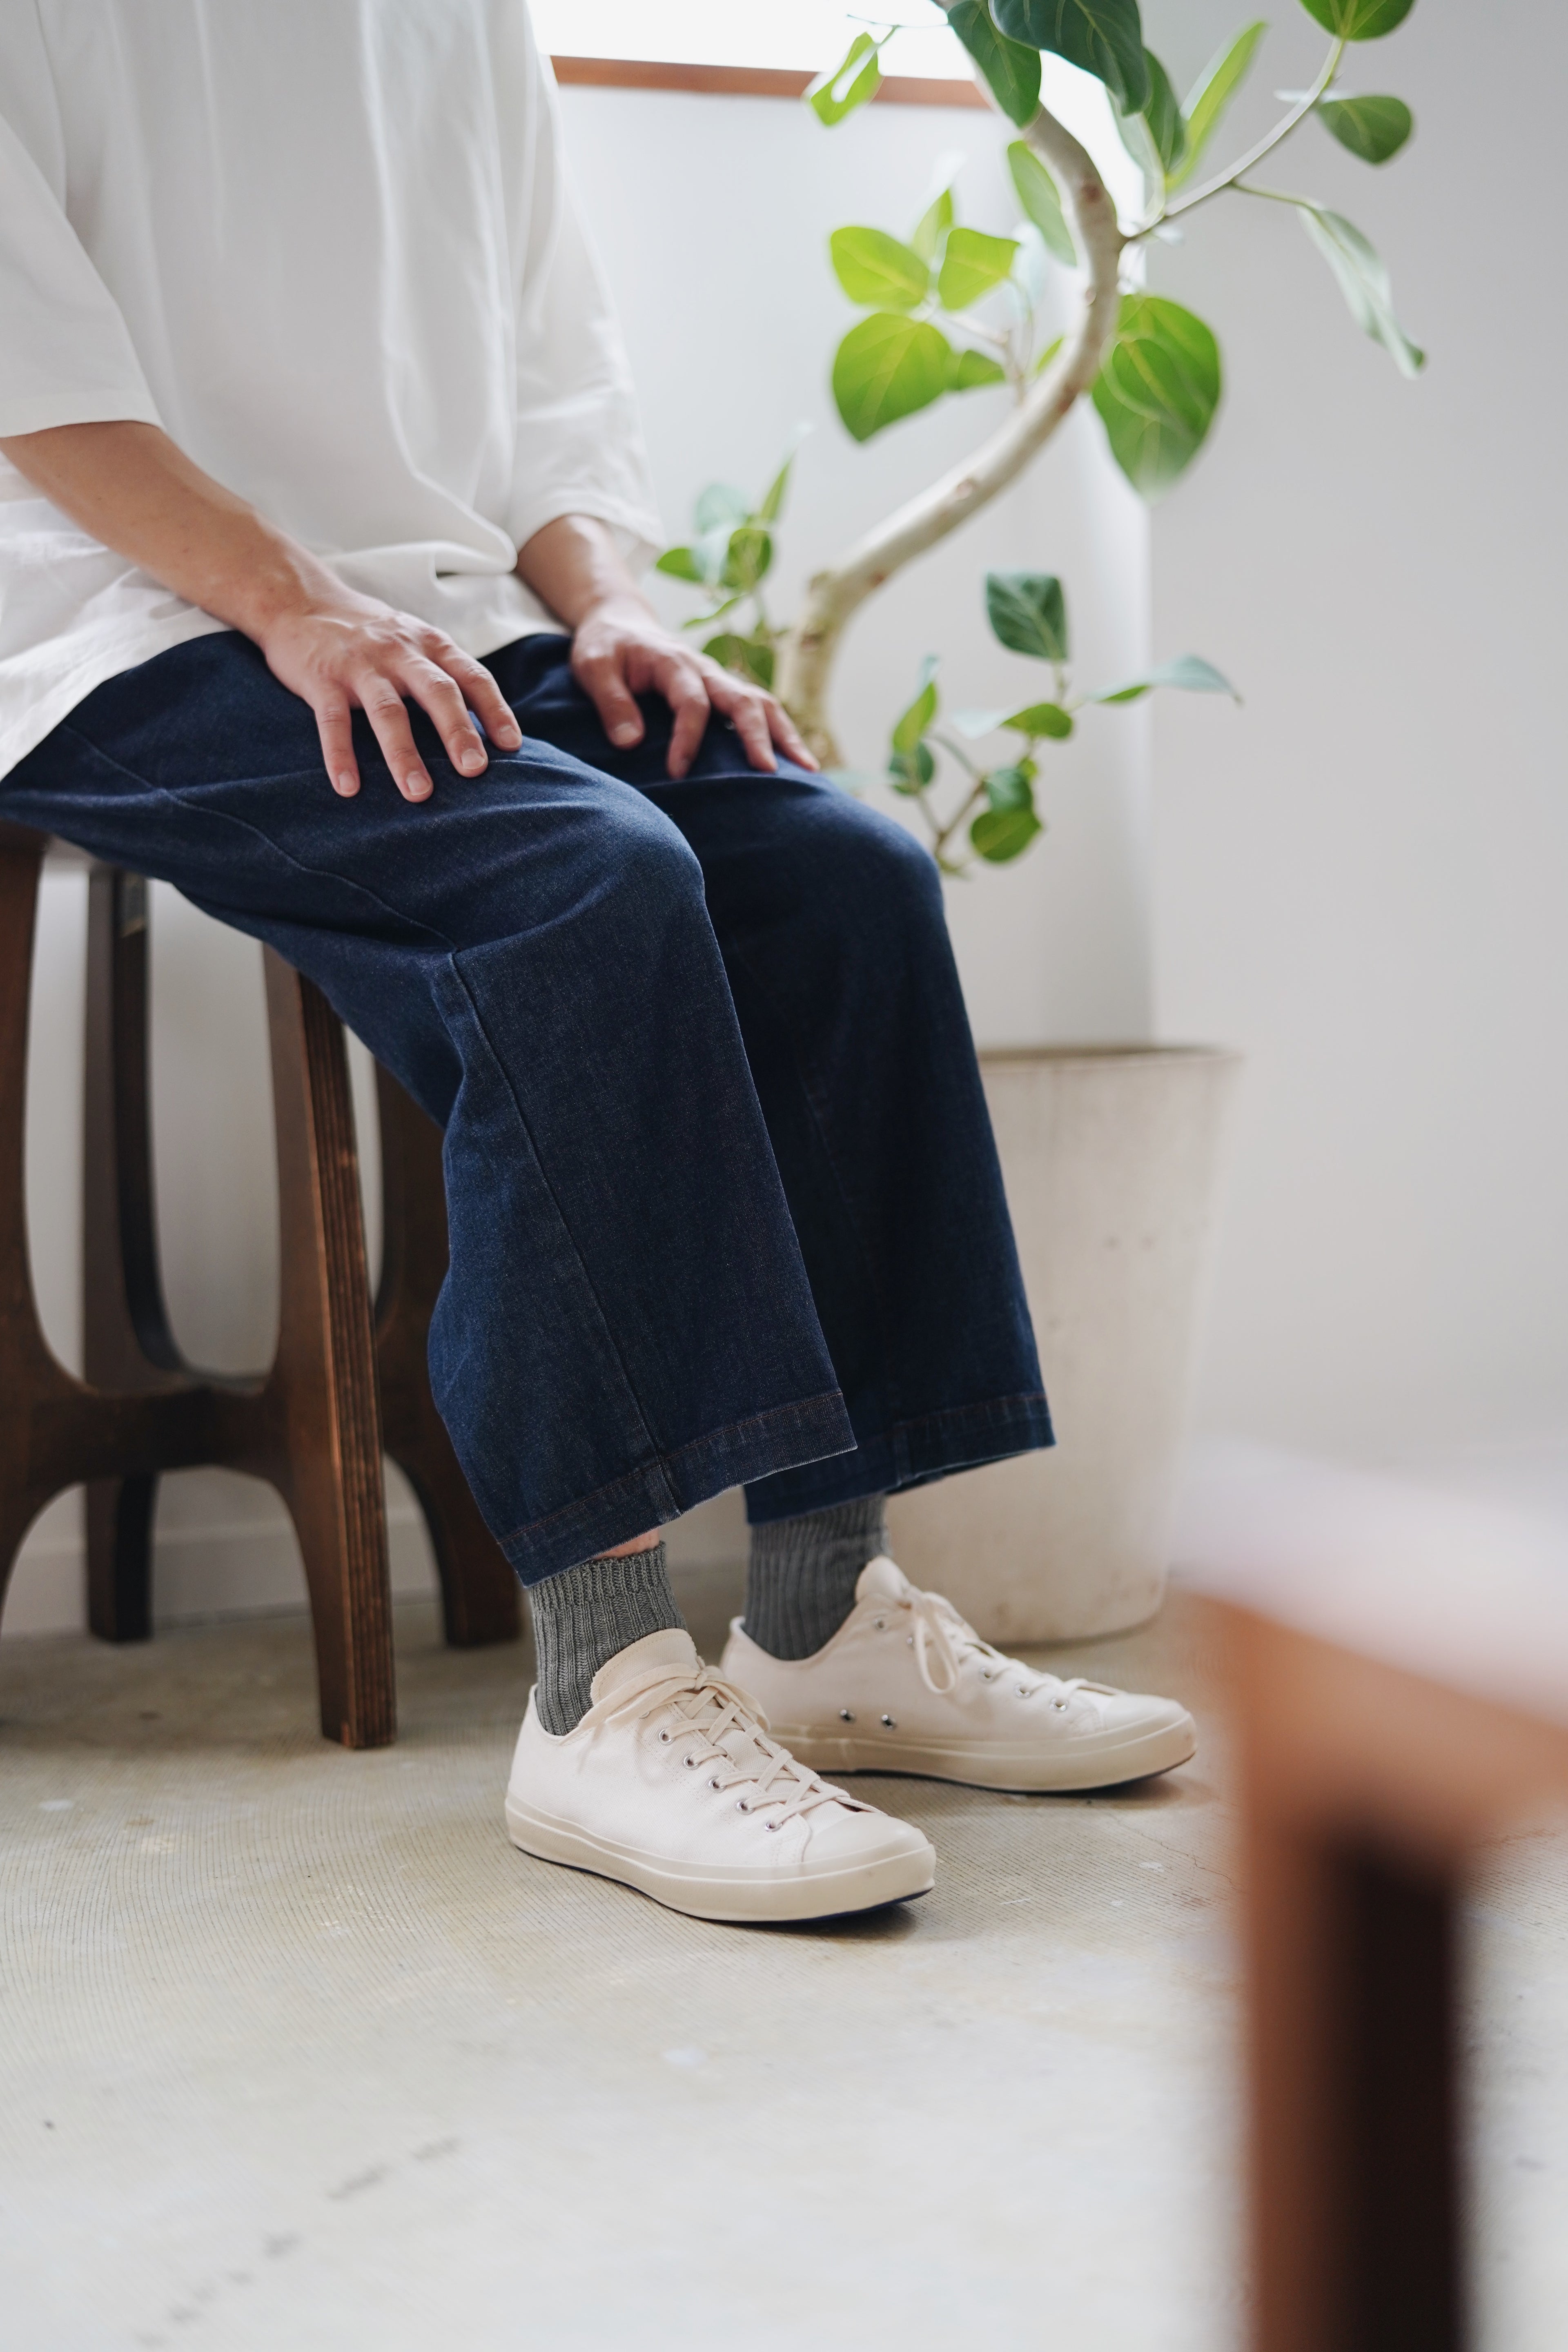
(127, 1344)
(479, 1598)
(26, 1368)
(325, 1426)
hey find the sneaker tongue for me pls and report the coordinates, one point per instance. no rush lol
(672, 1648)
(882, 1579)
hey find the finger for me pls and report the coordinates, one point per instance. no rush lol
(686, 695)
(383, 706)
(338, 745)
(742, 705)
(483, 695)
(601, 678)
(787, 735)
(441, 700)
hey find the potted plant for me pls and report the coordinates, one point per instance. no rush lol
(1110, 1156)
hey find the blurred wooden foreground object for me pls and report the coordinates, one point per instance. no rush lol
(347, 1379)
(1396, 1709)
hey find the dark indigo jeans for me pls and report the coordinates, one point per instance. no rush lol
(724, 1204)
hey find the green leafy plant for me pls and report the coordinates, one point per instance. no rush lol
(994, 810)
(950, 309)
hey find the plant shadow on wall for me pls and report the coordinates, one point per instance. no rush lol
(952, 309)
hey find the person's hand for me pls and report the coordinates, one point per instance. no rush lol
(620, 649)
(339, 652)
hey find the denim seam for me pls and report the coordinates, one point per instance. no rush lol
(181, 797)
(505, 1075)
(796, 1410)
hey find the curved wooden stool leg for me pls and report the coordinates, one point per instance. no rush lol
(323, 1446)
(480, 1596)
(26, 1367)
(127, 1344)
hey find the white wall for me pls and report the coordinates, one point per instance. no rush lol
(1364, 883)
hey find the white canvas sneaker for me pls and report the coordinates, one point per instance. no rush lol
(906, 1685)
(671, 1784)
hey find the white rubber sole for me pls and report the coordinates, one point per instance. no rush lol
(750, 1898)
(1092, 1763)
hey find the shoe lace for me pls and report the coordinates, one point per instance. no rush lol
(940, 1635)
(729, 1735)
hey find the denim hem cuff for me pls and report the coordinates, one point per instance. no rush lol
(766, 1445)
(909, 1453)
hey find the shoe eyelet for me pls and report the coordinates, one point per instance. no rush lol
(664, 1738)
(881, 1624)
(1023, 1690)
(772, 1825)
(690, 1762)
(845, 1715)
(742, 1806)
(716, 1784)
(1060, 1705)
(891, 1722)
(988, 1674)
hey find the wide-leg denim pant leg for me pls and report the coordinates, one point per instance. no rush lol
(630, 1322)
(830, 920)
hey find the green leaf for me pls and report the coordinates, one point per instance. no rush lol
(971, 369)
(747, 557)
(1028, 610)
(973, 264)
(913, 722)
(1139, 141)
(752, 656)
(910, 772)
(1103, 37)
(712, 552)
(1157, 390)
(1010, 788)
(1048, 354)
(720, 503)
(1209, 97)
(1167, 126)
(1041, 719)
(1372, 128)
(1002, 834)
(1189, 671)
(1363, 282)
(886, 368)
(1037, 194)
(855, 78)
(1012, 69)
(932, 226)
(679, 564)
(774, 496)
(1359, 20)
(879, 270)
(975, 723)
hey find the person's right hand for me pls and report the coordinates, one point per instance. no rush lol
(341, 652)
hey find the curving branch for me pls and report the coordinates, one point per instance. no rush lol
(833, 595)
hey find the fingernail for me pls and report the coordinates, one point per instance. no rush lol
(625, 734)
(417, 788)
(347, 785)
(471, 761)
(511, 735)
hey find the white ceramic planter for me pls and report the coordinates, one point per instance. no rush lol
(1112, 1160)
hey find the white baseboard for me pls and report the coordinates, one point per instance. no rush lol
(247, 1562)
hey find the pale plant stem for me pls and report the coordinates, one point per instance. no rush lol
(1265, 146)
(833, 595)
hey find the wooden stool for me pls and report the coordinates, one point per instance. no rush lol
(311, 1426)
(1396, 1708)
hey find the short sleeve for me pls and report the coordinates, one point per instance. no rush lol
(66, 354)
(579, 448)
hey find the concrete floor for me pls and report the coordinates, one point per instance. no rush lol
(298, 2052)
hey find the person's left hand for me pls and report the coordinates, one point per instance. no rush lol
(621, 649)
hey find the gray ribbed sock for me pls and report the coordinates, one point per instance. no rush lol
(583, 1616)
(800, 1586)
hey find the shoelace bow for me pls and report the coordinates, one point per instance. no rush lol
(708, 1709)
(939, 1631)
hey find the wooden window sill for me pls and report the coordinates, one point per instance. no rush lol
(749, 81)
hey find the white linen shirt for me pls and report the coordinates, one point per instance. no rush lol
(327, 246)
